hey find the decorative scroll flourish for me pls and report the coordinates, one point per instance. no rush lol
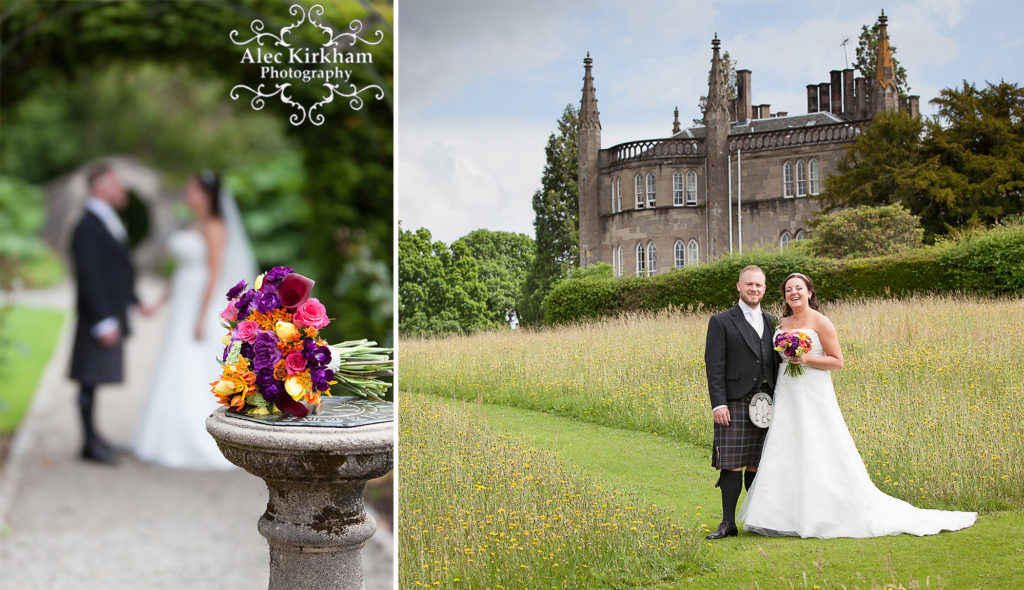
(355, 27)
(257, 27)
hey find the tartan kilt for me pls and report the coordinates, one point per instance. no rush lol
(739, 444)
(92, 363)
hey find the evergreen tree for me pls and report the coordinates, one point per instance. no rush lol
(961, 169)
(867, 57)
(556, 221)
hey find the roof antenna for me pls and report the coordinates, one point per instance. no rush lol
(845, 59)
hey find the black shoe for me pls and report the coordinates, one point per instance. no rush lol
(725, 529)
(98, 452)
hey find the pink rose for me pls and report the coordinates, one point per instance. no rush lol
(230, 312)
(294, 290)
(312, 313)
(247, 331)
(295, 363)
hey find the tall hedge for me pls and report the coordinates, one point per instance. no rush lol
(989, 262)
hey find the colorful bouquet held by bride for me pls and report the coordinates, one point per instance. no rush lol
(274, 358)
(793, 344)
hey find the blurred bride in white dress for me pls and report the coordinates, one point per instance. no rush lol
(211, 256)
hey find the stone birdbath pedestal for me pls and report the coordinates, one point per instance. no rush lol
(315, 469)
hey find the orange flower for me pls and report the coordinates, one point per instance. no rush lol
(310, 332)
(280, 371)
(238, 401)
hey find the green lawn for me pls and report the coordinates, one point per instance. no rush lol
(677, 476)
(27, 339)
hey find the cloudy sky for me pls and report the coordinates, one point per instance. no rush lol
(482, 82)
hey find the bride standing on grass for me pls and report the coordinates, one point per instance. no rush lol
(811, 481)
(211, 256)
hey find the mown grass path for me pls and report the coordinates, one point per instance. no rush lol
(677, 476)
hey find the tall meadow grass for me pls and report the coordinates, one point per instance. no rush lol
(484, 510)
(932, 389)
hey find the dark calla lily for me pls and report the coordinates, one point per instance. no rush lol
(291, 407)
(294, 290)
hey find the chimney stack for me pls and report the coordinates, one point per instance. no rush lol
(823, 102)
(836, 92)
(812, 98)
(848, 100)
(860, 86)
(743, 95)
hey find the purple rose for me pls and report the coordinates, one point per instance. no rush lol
(269, 387)
(277, 274)
(265, 351)
(321, 377)
(246, 350)
(235, 291)
(267, 302)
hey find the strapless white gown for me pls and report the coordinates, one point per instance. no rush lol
(172, 429)
(811, 481)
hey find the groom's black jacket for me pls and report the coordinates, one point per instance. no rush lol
(733, 355)
(105, 281)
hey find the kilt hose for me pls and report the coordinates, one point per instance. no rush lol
(739, 444)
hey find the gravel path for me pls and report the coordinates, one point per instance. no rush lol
(73, 525)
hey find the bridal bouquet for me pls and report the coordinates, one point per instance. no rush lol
(793, 344)
(274, 358)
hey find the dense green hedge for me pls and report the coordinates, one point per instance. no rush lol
(989, 262)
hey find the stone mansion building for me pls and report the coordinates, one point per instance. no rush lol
(743, 179)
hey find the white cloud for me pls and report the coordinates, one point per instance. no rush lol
(461, 175)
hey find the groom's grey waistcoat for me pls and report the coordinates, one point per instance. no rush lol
(737, 361)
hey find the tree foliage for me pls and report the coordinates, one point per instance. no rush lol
(439, 287)
(347, 190)
(503, 260)
(864, 232)
(556, 218)
(867, 57)
(963, 168)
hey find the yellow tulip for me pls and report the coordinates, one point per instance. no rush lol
(258, 284)
(286, 331)
(228, 386)
(293, 385)
(225, 339)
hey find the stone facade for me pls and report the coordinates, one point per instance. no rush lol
(743, 179)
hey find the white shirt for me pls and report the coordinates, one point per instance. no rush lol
(108, 216)
(754, 317)
(112, 222)
(756, 320)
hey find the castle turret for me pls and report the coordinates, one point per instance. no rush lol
(884, 95)
(588, 137)
(716, 123)
(676, 127)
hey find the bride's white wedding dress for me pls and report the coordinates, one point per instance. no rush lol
(811, 481)
(172, 429)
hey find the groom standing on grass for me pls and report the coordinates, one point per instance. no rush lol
(740, 361)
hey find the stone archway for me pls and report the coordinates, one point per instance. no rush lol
(65, 201)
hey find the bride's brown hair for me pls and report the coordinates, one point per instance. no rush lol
(812, 302)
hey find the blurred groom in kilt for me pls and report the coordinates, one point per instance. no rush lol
(105, 282)
(740, 361)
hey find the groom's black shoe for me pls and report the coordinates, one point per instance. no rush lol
(95, 450)
(725, 529)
